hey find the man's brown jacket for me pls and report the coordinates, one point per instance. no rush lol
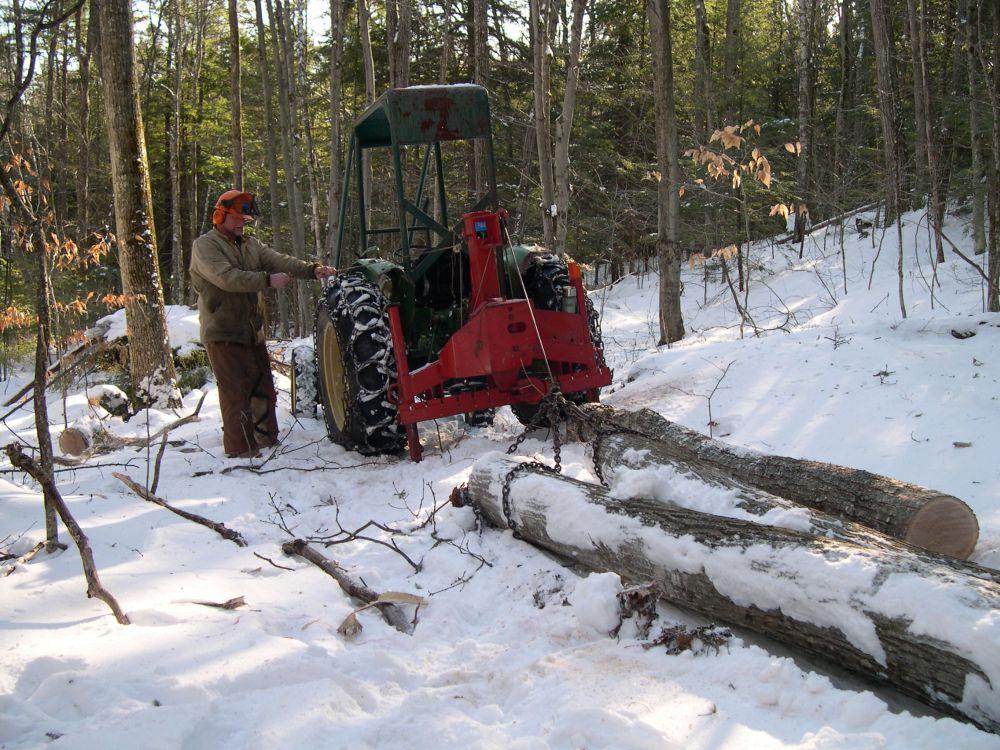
(229, 281)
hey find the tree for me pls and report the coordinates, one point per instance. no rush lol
(236, 94)
(668, 254)
(151, 366)
(553, 161)
(882, 36)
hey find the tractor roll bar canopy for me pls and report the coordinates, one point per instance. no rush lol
(417, 116)
(425, 114)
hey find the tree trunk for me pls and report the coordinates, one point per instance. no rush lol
(178, 287)
(43, 342)
(368, 62)
(84, 52)
(993, 303)
(336, 98)
(845, 99)
(882, 38)
(913, 514)
(564, 128)
(541, 30)
(703, 122)
(806, 9)
(787, 585)
(286, 46)
(481, 75)
(935, 209)
(272, 160)
(731, 62)
(970, 24)
(398, 14)
(919, 114)
(235, 95)
(668, 201)
(151, 366)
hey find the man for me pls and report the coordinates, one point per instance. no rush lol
(229, 271)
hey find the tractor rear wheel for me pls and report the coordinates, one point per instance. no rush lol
(546, 280)
(356, 367)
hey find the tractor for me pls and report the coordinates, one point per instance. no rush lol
(431, 319)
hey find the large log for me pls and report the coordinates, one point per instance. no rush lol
(924, 623)
(638, 466)
(916, 515)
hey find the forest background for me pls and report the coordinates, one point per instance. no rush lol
(627, 134)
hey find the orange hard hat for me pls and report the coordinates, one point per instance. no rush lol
(235, 202)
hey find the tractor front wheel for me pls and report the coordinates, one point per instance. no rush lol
(356, 367)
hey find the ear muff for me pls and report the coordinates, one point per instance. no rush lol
(219, 215)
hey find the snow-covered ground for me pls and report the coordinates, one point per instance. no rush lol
(511, 650)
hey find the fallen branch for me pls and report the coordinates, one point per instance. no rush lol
(221, 529)
(83, 444)
(65, 365)
(391, 613)
(94, 588)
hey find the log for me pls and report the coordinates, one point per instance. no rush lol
(916, 515)
(219, 528)
(921, 622)
(390, 612)
(81, 442)
(637, 466)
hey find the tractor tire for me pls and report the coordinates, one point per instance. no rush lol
(357, 366)
(545, 281)
(304, 384)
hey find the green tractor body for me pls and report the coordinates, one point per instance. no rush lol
(433, 319)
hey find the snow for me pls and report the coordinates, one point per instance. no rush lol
(511, 650)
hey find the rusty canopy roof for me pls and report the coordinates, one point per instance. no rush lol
(425, 114)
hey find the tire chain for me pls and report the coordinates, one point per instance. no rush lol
(346, 297)
(305, 377)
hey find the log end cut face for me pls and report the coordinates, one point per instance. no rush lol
(944, 524)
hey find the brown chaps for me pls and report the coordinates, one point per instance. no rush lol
(246, 396)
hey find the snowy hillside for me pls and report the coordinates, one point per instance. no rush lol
(511, 649)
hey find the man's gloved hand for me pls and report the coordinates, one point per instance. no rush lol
(325, 272)
(278, 280)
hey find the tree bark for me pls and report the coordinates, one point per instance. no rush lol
(806, 9)
(920, 132)
(731, 61)
(935, 204)
(481, 76)
(84, 51)
(970, 23)
(993, 303)
(882, 38)
(703, 122)
(787, 585)
(668, 200)
(95, 589)
(336, 99)
(913, 514)
(564, 128)
(151, 365)
(541, 30)
(43, 342)
(235, 95)
(178, 287)
(272, 159)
